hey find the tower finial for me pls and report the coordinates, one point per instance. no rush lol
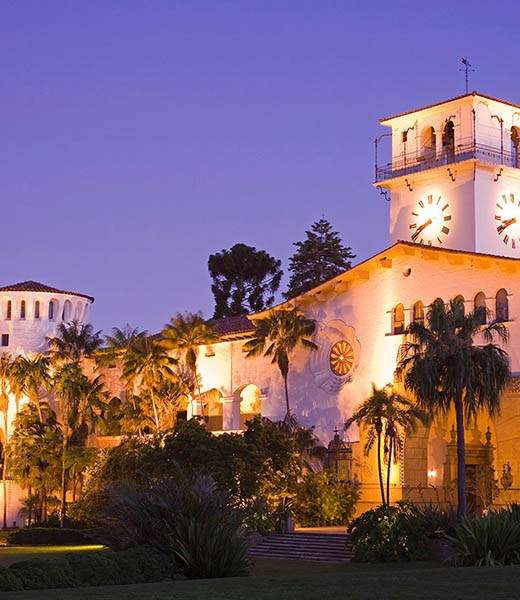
(466, 70)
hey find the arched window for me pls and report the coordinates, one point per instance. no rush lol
(398, 319)
(418, 312)
(429, 143)
(459, 300)
(37, 309)
(448, 141)
(22, 309)
(501, 306)
(479, 304)
(9, 310)
(67, 309)
(51, 310)
(515, 146)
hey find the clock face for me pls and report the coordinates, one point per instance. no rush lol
(430, 221)
(508, 217)
(341, 358)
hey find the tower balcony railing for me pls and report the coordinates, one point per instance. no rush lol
(414, 162)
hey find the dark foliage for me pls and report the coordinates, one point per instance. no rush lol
(319, 258)
(47, 536)
(184, 515)
(389, 534)
(321, 500)
(244, 280)
(490, 540)
(104, 567)
(43, 573)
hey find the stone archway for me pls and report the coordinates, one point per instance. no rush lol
(241, 406)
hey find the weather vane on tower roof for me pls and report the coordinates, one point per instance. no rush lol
(466, 69)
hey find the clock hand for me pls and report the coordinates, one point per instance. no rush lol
(420, 229)
(505, 224)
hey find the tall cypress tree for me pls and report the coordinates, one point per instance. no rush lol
(319, 258)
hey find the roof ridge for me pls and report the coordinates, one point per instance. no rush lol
(30, 285)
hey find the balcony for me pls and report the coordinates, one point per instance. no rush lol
(414, 162)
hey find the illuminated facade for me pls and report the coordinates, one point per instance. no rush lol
(30, 313)
(454, 190)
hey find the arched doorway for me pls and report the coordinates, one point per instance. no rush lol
(250, 404)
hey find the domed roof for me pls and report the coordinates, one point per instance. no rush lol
(35, 286)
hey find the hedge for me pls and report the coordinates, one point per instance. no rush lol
(75, 569)
(47, 536)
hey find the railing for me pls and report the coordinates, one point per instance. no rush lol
(414, 162)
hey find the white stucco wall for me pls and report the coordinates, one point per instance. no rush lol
(365, 306)
(27, 335)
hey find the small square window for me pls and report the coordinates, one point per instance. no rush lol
(5, 339)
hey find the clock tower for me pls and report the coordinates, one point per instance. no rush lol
(454, 179)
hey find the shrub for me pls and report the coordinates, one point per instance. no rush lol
(9, 580)
(179, 514)
(42, 573)
(258, 518)
(104, 567)
(209, 548)
(489, 540)
(46, 536)
(434, 520)
(513, 511)
(322, 500)
(389, 533)
(136, 565)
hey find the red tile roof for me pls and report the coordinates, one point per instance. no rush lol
(233, 325)
(35, 286)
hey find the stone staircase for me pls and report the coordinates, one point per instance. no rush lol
(323, 547)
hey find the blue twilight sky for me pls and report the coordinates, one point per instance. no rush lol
(138, 137)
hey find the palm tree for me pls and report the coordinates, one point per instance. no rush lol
(444, 368)
(35, 454)
(68, 382)
(73, 340)
(281, 331)
(118, 343)
(186, 333)
(149, 363)
(401, 419)
(6, 383)
(29, 375)
(371, 414)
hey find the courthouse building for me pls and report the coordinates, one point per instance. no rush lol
(454, 191)
(453, 185)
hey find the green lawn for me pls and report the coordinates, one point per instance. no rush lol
(294, 580)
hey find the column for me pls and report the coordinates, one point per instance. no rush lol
(231, 413)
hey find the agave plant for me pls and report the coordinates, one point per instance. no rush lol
(183, 515)
(491, 540)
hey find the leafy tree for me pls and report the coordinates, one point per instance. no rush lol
(387, 417)
(282, 331)
(321, 500)
(74, 340)
(244, 280)
(444, 368)
(147, 363)
(186, 333)
(319, 258)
